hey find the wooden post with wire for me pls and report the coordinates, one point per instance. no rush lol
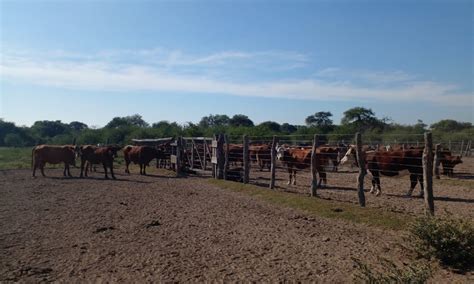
(273, 162)
(437, 160)
(362, 170)
(246, 158)
(314, 167)
(226, 157)
(428, 174)
(178, 162)
(220, 157)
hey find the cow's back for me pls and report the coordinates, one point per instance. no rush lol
(54, 154)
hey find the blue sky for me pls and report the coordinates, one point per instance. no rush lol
(279, 60)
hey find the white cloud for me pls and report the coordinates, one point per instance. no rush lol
(329, 84)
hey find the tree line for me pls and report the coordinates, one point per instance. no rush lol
(120, 130)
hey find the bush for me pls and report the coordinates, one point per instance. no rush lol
(449, 240)
(411, 273)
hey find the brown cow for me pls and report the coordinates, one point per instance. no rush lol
(104, 155)
(141, 155)
(42, 154)
(449, 162)
(300, 159)
(390, 163)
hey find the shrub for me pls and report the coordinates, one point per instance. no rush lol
(449, 240)
(411, 273)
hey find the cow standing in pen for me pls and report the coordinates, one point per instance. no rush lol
(141, 155)
(105, 155)
(299, 159)
(42, 154)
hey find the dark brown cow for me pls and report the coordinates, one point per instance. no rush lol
(449, 162)
(105, 155)
(141, 155)
(299, 159)
(42, 154)
(390, 163)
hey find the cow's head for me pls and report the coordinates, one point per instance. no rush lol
(350, 154)
(280, 152)
(113, 151)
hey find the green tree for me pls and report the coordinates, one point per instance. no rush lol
(241, 120)
(133, 120)
(13, 140)
(77, 126)
(320, 119)
(361, 118)
(49, 128)
(270, 125)
(449, 125)
(288, 128)
(214, 120)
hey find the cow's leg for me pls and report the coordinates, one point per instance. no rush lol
(69, 171)
(127, 163)
(294, 177)
(105, 170)
(42, 164)
(379, 189)
(35, 165)
(141, 169)
(413, 182)
(87, 168)
(65, 167)
(144, 169)
(290, 172)
(372, 189)
(420, 179)
(112, 170)
(322, 179)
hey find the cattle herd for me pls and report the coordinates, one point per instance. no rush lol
(387, 161)
(91, 155)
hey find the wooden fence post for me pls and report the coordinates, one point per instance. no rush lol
(314, 169)
(204, 167)
(428, 174)
(214, 156)
(462, 147)
(437, 160)
(468, 148)
(226, 157)
(178, 156)
(362, 171)
(220, 157)
(273, 162)
(246, 158)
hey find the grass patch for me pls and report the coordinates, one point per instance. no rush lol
(391, 272)
(468, 183)
(448, 239)
(15, 158)
(321, 207)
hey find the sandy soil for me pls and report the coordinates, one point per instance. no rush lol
(160, 228)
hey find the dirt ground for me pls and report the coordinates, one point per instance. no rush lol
(160, 228)
(452, 195)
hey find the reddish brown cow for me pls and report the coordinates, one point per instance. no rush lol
(300, 159)
(141, 155)
(390, 163)
(105, 155)
(42, 154)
